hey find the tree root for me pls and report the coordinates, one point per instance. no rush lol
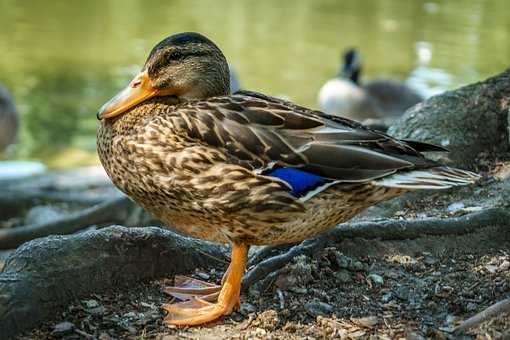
(44, 275)
(12, 202)
(115, 210)
(384, 230)
(488, 313)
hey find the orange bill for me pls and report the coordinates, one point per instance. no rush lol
(138, 90)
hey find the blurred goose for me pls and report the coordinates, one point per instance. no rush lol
(8, 119)
(382, 99)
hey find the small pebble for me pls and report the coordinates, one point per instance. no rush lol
(414, 336)
(63, 328)
(402, 293)
(298, 290)
(376, 279)
(247, 308)
(367, 322)
(387, 297)
(203, 276)
(99, 310)
(504, 266)
(455, 206)
(471, 307)
(343, 276)
(104, 336)
(90, 303)
(316, 308)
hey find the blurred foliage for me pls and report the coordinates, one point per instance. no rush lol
(62, 59)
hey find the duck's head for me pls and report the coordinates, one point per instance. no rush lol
(351, 67)
(187, 66)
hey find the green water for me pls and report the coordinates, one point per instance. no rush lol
(63, 59)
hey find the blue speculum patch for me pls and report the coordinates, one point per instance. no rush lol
(301, 181)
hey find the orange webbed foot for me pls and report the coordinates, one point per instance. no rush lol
(198, 309)
(187, 288)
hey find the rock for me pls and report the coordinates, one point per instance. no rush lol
(455, 207)
(318, 308)
(104, 336)
(63, 328)
(402, 293)
(428, 259)
(414, 336)
(247, 308)
(346, 262)
(471, 307)
(376, 279)
(387, 297)
(43, 214)
(267, 320)
(44, 275)
(343, 276)
(504, 266)
(296, 274)
(491, 268)
(99, 310)
(90, 303)
(298, 290)
(471, 121)
(367, 322)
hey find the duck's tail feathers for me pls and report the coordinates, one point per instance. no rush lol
(442, 177)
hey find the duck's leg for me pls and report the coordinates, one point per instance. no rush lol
(198, 311)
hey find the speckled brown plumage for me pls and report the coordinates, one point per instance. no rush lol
(196, 165)
(244, 168)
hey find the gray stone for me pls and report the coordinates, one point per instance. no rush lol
(343, 276)
(376, 279)
(63, 328)
(469, 121)
(316, 308)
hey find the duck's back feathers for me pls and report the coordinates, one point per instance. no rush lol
(270, 136)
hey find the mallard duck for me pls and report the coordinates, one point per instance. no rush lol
(8, 119)
(245, 169)
(380, 99)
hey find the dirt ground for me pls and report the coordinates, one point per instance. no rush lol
(358, 289)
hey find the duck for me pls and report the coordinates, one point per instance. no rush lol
(244, 169)
(9, 119)
(381, 100)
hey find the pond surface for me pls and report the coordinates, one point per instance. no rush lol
(63, 59)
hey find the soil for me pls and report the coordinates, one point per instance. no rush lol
(357, 289)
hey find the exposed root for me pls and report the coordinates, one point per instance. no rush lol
(112, 211)
(384, 230)
(488, 313)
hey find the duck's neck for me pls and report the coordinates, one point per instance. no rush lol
(126, 122)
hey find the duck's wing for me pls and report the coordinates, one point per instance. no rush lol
(263, 133)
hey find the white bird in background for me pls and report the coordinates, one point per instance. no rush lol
(380, 100)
